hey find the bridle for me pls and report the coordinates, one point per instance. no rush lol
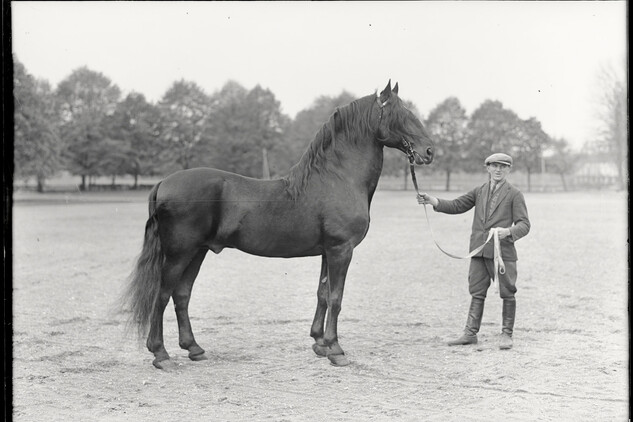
(410, 155)
(381, 106)
(408, 149)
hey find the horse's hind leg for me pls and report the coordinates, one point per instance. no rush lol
(155, 343)
(316, 332)
(173, 268)
(181, 296)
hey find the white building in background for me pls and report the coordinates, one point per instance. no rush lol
(596, 174)
(596, 168)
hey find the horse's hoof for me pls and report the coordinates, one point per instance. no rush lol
(198, 357)
(338, 360)
(165, 364)
(321, 351)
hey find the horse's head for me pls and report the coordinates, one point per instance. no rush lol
(399, 128)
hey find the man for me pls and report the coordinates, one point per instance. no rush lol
(499, 205)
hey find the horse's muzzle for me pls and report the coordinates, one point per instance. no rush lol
(415, 157)
(426, 158)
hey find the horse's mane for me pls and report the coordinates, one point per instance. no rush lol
(350, 123)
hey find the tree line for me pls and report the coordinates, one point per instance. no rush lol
(85, 127)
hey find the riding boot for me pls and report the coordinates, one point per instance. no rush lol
(472, 324)
(507, 321)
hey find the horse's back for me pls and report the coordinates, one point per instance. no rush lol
(217, 209)
(190, 183)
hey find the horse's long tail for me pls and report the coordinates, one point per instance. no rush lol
(145, 280)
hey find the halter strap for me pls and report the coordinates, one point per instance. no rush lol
(411, 156)
(381, 106)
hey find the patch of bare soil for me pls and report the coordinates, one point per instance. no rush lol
(72, 359)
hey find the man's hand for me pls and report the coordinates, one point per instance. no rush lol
(424, 199)
(503, 232)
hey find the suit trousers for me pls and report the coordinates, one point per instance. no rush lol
(482, 270)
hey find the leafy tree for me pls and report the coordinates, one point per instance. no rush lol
(185, 118)
(491, 128)
(447, 125)
(529, 142)
(613, 113)
(114, 158)
(37, 145)
(136, 124)
(560, 159)
(263, 131)
(307, 123)
(84, 99)
(248, 128)
(226, 123)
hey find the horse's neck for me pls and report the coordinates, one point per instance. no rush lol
(359, 162)
(352, 156)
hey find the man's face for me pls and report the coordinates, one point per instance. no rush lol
(498, 171)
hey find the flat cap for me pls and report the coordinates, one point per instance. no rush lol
(499, 157)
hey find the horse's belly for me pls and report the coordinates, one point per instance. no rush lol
(275, 243)
(280, 248)
(273, 237)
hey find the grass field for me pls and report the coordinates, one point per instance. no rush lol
(72, 359)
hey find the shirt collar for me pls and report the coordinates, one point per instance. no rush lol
(498, 185)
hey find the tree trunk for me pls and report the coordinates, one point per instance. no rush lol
(622, 170)
(135, 181)
(529, 180)
(40, 184)
(265, 168)
(448, 180)
(82, 187)
(621, 137)
(562, 178)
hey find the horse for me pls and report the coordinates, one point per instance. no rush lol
(321, 207)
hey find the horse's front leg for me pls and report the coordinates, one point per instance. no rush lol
(338, 259)
(316, 332)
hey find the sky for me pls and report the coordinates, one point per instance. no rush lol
(540, 59)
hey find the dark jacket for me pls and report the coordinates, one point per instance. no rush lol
(510, 211)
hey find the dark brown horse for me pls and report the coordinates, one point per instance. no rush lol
(320, 208)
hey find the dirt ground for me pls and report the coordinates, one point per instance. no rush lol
(73, 361)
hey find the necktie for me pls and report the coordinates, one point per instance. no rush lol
(489, 204)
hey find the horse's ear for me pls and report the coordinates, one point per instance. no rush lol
(331, 124)
(395, 88)
(336, 121)
(386, 93)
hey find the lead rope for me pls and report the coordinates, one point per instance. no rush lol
(500, 267)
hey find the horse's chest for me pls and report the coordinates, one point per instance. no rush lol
(350, 222)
